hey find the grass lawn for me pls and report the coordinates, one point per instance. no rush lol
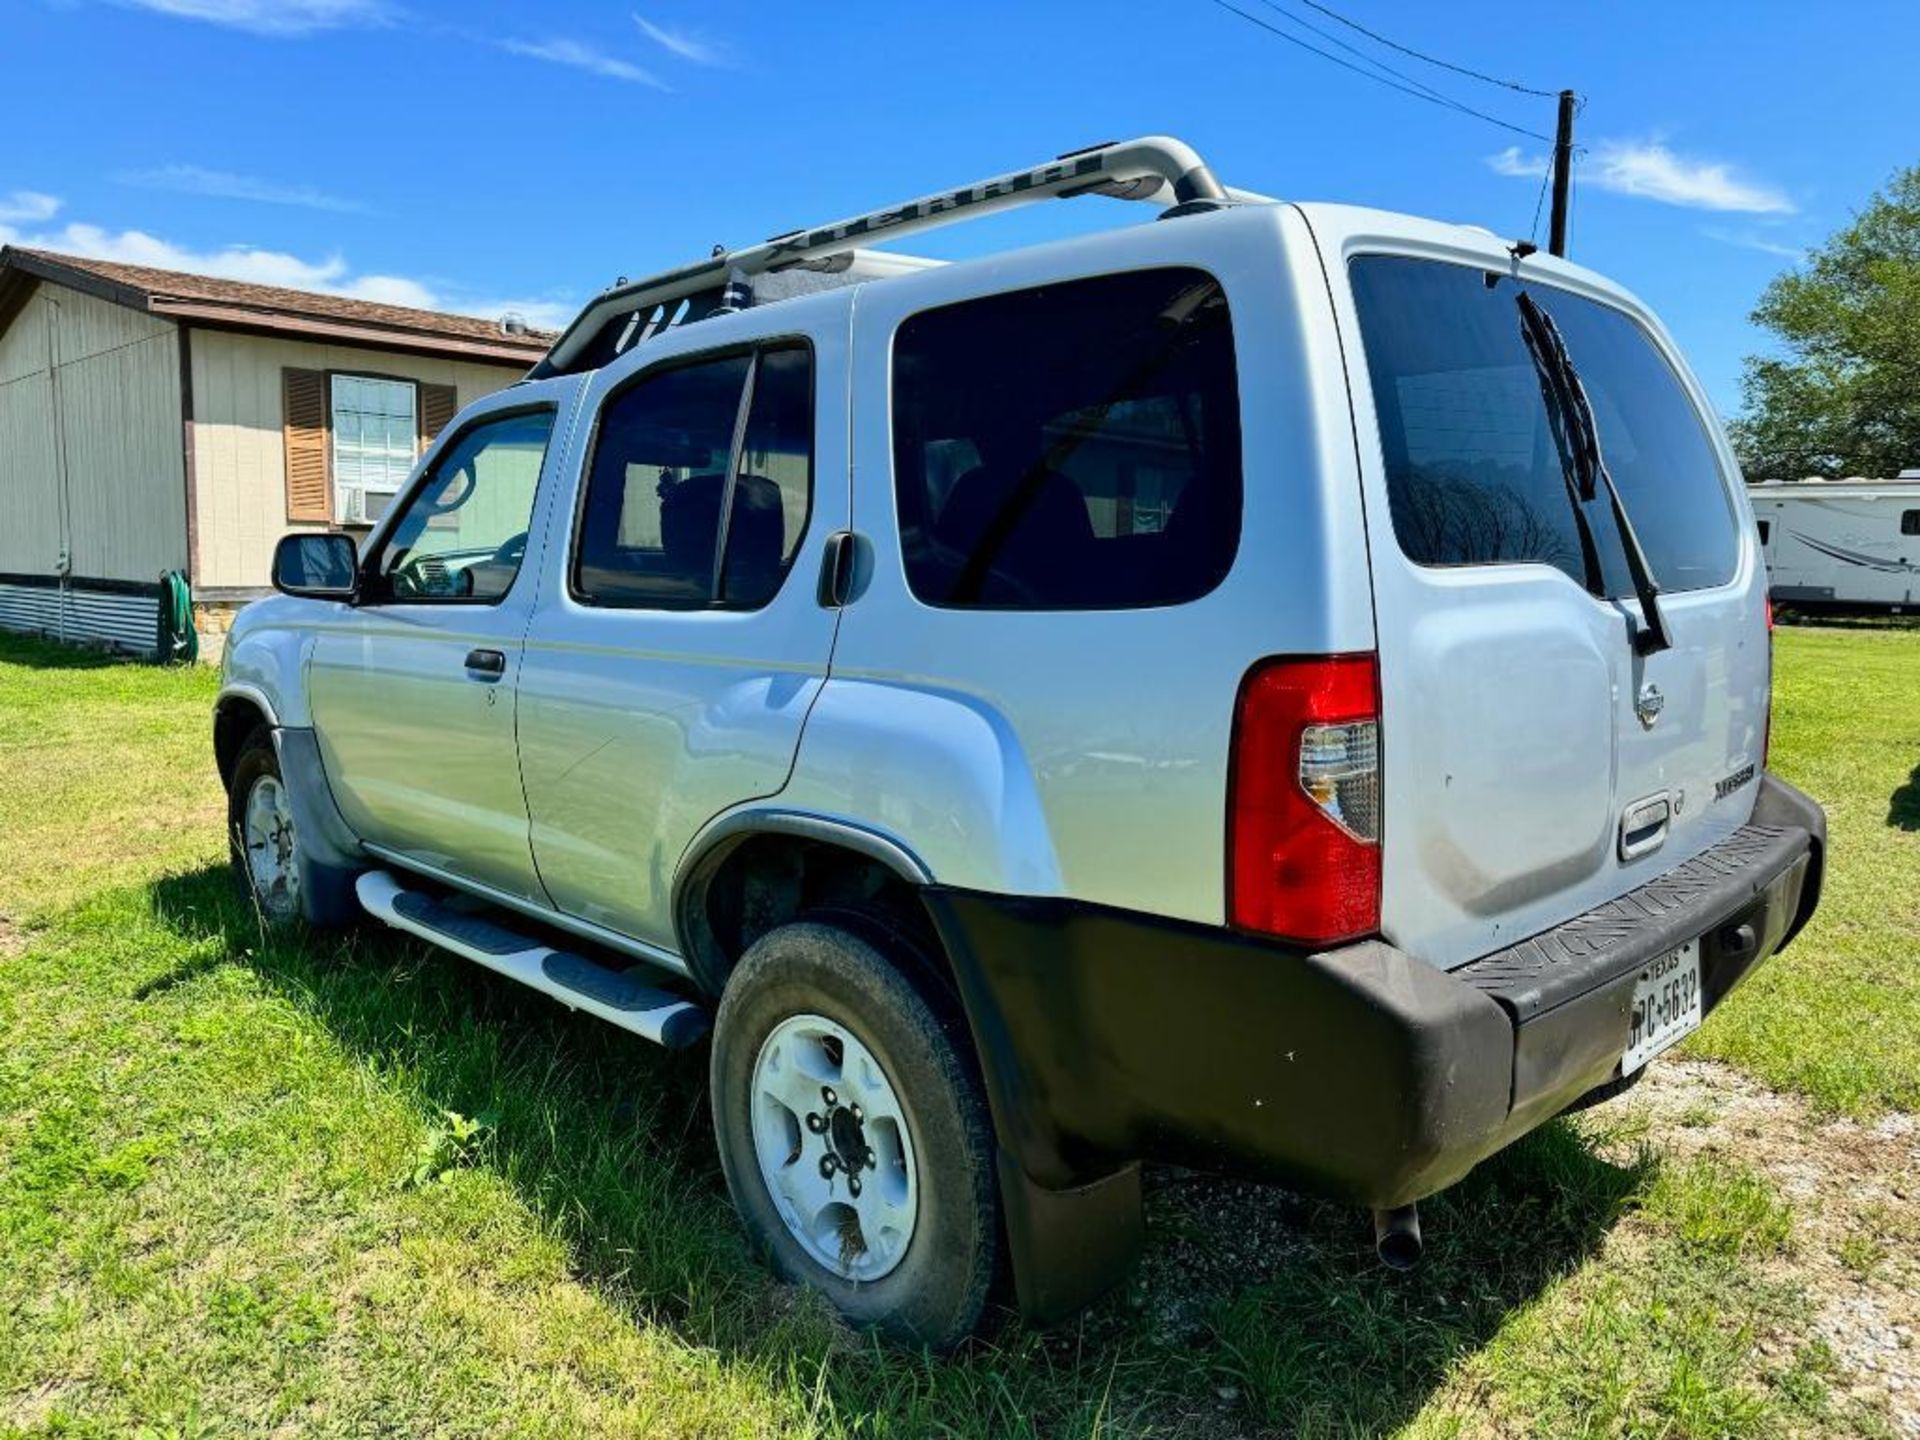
(254, 1185)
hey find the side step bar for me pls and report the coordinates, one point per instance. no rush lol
(575, 981)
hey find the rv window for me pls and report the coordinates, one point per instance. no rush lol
(1910, 522)
(1766, 530)
(1472, 474)
(1071, 447)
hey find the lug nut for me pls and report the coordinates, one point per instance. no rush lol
(827, 1163)
(853, 1186)
(826, 1094)
(854, 1110)
(816, 1123)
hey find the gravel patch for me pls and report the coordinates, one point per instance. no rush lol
(1855, 1190)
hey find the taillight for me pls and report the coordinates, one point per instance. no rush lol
(1303, 800)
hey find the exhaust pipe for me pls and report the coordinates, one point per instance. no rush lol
(1396, 1236)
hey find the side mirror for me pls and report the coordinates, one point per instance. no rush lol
(318, 567)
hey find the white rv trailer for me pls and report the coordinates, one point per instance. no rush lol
(1839, 545)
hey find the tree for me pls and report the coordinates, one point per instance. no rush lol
(1845, 397)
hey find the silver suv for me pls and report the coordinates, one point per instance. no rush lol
(1282, 689)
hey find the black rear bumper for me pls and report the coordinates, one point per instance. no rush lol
(1108, 1037)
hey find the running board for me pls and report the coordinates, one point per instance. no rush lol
(575, 981)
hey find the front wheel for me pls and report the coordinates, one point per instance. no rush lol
(265, 844)
(853, 1132)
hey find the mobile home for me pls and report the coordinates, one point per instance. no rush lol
(153, 421)
(1839, 545)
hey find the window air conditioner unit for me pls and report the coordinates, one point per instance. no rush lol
(361, 506)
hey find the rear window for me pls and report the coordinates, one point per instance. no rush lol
(1074, 446)
(1473, 476)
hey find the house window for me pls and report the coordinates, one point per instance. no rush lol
(376, 439)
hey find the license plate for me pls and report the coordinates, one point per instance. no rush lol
(1666, 1005)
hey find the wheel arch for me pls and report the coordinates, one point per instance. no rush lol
(237, 713)
(753, 869)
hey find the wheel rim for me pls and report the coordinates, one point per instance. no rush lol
(270, 847)
(833, 1147)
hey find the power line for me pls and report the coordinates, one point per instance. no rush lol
(1333, 14)
(1431, 97)
(1364, 57)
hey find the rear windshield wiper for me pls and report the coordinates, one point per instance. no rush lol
(1581, 446)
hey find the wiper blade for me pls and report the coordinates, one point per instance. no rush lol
(1590, 466)
(1570, 448)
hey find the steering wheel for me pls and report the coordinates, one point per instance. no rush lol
(406, 585)
(511, 550)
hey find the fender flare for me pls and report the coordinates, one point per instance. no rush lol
(723, 834)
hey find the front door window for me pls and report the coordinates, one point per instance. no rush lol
(463, 534)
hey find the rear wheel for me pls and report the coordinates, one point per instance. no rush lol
(853, 1132)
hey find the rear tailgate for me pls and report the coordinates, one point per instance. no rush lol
(1534, 765)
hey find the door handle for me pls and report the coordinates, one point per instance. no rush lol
(486, 664)
(836, 570)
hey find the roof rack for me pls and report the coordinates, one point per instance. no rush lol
(1150, 168)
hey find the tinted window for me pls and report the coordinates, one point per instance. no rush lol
(651, 531)
(1472, 472)
(464, 532)
(1075, 446)
(1766, 530)
(775, 485)
(1910, 522)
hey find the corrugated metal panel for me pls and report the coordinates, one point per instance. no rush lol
(126, 622)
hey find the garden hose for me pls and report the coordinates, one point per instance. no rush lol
(176, 639)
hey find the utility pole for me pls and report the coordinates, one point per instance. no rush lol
(1562, 176)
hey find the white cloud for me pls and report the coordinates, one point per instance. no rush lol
(273, 17)
(329, 276)
(1511, 162)
(583, 57)
(225, 185)
(684, 43)
(1749, 240)
(1649, 170)
(27, 207)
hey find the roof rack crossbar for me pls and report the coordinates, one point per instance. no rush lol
(1149, 168)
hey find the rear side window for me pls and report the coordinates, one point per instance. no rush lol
(1910, 522)
(670, 449)
(1073, 446)
(1473, 475)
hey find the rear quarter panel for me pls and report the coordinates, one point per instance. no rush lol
(1084, 753)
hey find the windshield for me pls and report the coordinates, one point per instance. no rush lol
(1474, 475)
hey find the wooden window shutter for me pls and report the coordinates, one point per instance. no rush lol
(304, 428)
(437, 404)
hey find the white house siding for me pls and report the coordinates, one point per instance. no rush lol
(239, 455)
(115, 498)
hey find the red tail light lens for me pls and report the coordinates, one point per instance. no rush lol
(1303, 800)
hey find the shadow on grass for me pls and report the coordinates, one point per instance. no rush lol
(1253, 1310)
(41, 653)
(1903, 806)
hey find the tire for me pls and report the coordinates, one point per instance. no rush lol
(273, 883)
(925, 1282)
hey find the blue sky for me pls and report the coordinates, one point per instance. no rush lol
(489, 156)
